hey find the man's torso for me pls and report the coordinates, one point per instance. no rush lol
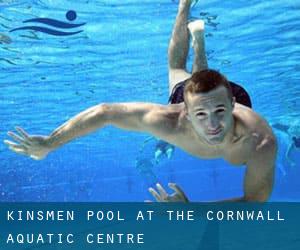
(249, 130)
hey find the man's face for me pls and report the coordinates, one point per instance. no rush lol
(210, 114)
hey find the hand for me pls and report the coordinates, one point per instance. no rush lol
(163, 196)
(33, 146)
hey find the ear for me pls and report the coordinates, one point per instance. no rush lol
(186, 113)
(233, 101)
(188, 116)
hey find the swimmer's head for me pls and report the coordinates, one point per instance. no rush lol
(209, 103)
(296, 141)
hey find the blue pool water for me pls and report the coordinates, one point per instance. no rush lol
(121, 56)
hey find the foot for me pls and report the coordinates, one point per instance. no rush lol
(196, 29)
(190, 2)
(187, 3)
(196, 26)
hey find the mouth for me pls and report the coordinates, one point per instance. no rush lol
(215, 131)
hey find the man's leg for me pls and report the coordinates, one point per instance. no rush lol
(179, 46)
(196, 29)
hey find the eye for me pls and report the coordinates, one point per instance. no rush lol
(201, 114)
(220, 111)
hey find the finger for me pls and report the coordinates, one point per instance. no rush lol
(16, 137)
(154, 194)
(35, 157)
(9, 143)
(161, 190)
(23, 133)
(12, 144)
(18, 150)
(177, 189)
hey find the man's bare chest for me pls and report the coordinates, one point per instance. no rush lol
(235, 153)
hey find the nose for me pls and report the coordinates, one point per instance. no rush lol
(213, 123)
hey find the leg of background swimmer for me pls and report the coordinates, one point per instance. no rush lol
(179, 46)
(196, 29)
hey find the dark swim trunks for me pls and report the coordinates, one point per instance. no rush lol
(240, 94)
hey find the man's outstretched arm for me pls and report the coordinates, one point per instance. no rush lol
(131, 116)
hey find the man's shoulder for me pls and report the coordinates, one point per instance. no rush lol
(165, 122)
(252, 124)
(255, 133)
(169, 111)
(249, 118)
(167, 115)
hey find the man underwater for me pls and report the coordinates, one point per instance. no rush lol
(208, 117)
